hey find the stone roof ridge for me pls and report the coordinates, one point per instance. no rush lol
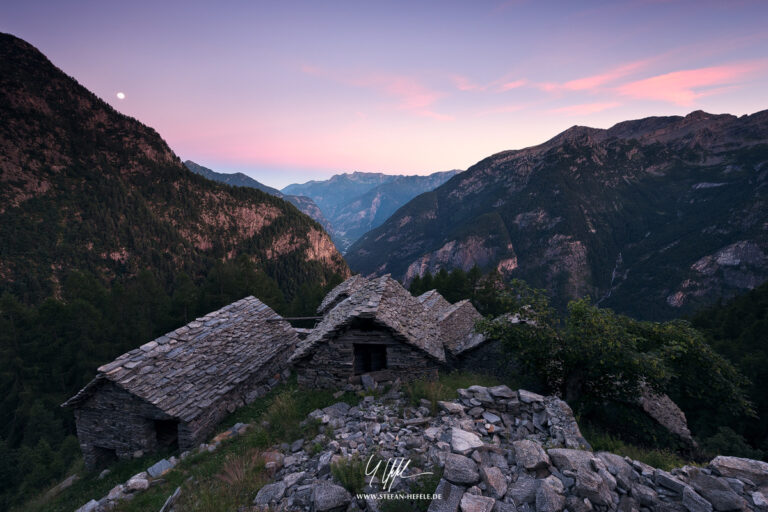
(340, 292)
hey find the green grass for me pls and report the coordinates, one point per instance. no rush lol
(350, 473)
(663, 459)
(444, 388)
(211, 482)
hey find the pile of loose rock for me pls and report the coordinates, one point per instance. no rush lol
(500, 450)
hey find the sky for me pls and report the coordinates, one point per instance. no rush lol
(290, 91)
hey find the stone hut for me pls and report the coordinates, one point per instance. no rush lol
(175, 389)
(376, 327)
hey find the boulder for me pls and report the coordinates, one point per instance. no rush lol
(501, 392)
(450, 497)
(464, 442)
(451, 407)
(270, 493)
(91, 506)
(736, 467)
(368, 382)
(495, 481)
(716, 491)
(528, 397)
(337, 410)
(328, 496)
(138, 482)
(530, 455)
(293, 478)
(760, 500)
(523, 490)
(619, 468)
(473, 503)
(664, 479)
(694, 502)
(548, 499)
(589, 484)
(460, 470)
(159, 468)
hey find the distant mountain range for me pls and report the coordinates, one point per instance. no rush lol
(652, 217)
(83, 187)
(238, 179)
(358, 202)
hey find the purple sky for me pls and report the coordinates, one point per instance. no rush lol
(290, 91)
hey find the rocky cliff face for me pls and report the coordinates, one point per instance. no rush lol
(653, 217)
(83, 187)
(238, 179)
(358, 202)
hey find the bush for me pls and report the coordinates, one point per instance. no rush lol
(728, 442)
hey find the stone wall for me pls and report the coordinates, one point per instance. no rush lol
(331, 364)
(113, 419)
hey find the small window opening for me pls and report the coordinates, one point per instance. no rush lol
(104, 456)
(369, 358)
(167, 432)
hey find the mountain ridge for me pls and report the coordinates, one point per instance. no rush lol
(357, 202)
(612, 213)
(88, 188)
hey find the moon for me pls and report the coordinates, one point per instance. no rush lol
(121, 95)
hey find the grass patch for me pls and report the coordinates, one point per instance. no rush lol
(350, 473)
(663, 459)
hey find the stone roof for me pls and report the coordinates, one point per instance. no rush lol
(433, 301)
(388, 304)
(185, 371)
(457, 327)
(340, 293)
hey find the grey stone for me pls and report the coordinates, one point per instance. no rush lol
(548, 499)
(523, 490)
(495, 481)
(159, 467)
(736, 467)
(297, 445)
(138, 482)
(328, 496)
(116, 492)
(694, 502)
(293, 478)
(664, 479)
(619, 468)
(337, 410)
(528, 397)
(460, 470)
(576, 504)
(464, 442)
(501, 392)
(644, 494)
(759, 499)
(627, 504)
(104, 473)
(451, 407)
(368, 382)
(716, 491)
(481, 393)
(473, 503)
(503, 506)
(530, 455)
(270, 493)
(490, 417)
(91, 506)
(450, 497)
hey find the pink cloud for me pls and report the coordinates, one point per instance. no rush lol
(585, 109)
(409, 94)
(685, 87)
(512, 85)
(463, 83)
(594, 82)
